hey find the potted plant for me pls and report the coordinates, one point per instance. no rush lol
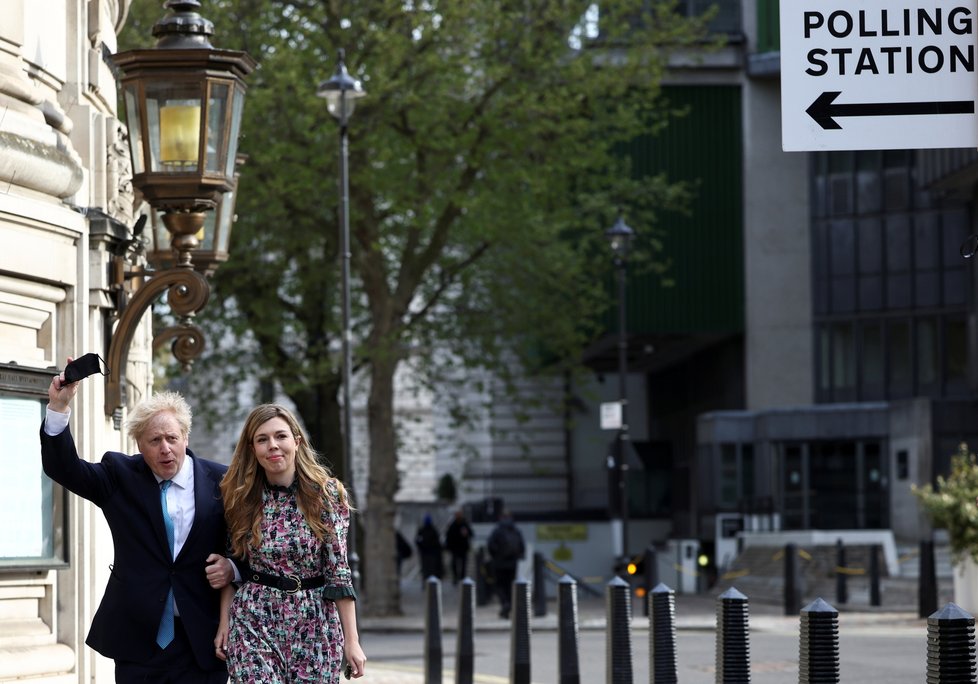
(951, 505)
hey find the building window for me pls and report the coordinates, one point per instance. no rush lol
(890, 290)
(27, 495)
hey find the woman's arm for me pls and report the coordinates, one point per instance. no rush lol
(224, 627)
(355, 658)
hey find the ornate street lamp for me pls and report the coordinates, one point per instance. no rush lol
(184, 100)
(341, 92)
(620, 237)
(214, 237)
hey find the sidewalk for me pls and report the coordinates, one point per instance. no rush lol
(693, 612)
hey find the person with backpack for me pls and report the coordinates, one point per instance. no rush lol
(506, 549)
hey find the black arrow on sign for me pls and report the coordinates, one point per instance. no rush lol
(824, 112)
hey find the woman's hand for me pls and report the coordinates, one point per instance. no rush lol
(356, 661)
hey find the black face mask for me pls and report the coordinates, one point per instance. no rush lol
(82, 367)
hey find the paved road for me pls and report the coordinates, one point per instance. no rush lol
(875, 646)
(868, 657)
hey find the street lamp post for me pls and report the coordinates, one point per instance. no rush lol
(341, 92)
(619, 237)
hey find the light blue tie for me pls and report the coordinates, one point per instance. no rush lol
(165, 634)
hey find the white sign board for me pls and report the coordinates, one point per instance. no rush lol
(610, 415)
(879, 74)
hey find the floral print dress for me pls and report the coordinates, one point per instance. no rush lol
(277, 637)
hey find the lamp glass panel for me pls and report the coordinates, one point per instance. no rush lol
(173, 114)
(225, 217)
(135, 129)
(217, 128)
(237, 109)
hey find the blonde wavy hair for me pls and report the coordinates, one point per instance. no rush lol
(316, 488)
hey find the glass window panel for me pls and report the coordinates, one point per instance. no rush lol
(173, 116)
(898, 350)
(870, 293)
(825, 358)
(217, 128)
(237, 109)
(842, 250)
(870, 237)
(871, 358)
(869, 189)
(927, 289)
(843, 357)
(135, 132)
(728, 474)
(898, 291)
(926, 241)
(747, 470)
(898, 245)
(926, 348)
(956, 353)
(843, 294)
(955, 287)
(25, 491)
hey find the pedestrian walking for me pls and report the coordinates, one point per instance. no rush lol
(458, 540)
(293, 618)
(506, 549)
(159, 613)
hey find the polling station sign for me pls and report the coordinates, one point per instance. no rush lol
(859, 75)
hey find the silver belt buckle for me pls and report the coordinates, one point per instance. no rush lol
(298, 584)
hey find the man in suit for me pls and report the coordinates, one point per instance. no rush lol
(159, 615)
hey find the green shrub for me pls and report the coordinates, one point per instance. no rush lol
(951, 505)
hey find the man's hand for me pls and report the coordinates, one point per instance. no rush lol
(60, 394)
(219, 571)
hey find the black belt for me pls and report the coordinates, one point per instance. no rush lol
(289, 583)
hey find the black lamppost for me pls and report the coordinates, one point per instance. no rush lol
(619, 237)
(341, 92)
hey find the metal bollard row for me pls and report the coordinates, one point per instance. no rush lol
(568, 660)
(732, 649)
(432, 631)
(663, 666)
(951, 648)
(818, 657)
(618, 632)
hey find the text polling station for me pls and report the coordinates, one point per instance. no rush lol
(878, 75)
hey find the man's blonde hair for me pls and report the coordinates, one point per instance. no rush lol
(162, 402)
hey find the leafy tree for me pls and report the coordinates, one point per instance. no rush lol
(950, 504)
(485, 162)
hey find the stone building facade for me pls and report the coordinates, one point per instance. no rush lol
(66, 204)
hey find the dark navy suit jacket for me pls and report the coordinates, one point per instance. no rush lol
(143, 570)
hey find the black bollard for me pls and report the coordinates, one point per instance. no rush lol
(465, 646)
(519, 636)
(663, 664)
(568, 662)
(482, 595)
(926, 580)
(841, 586)
(792, 586)
(618, 634)
(651, 578)
(432, 632)
(733, 649)
(874, 575)
(818, 661)
(950, 646)
(539, 585)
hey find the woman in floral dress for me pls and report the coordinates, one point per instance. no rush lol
(293, 617)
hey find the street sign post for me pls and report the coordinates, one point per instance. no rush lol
(878, 74)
